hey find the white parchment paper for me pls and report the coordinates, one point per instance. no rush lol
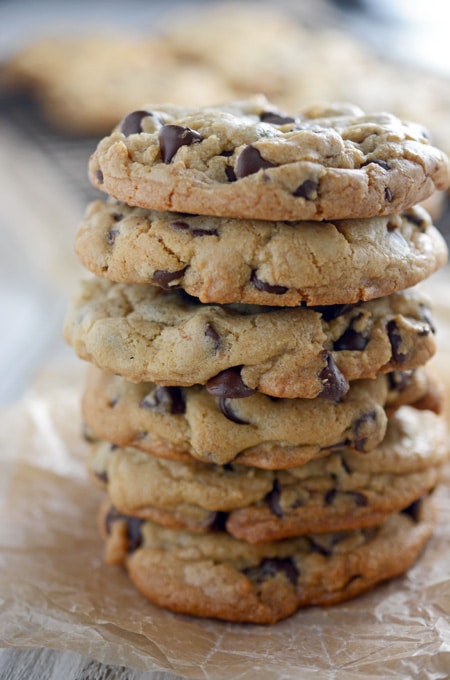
(56, 592)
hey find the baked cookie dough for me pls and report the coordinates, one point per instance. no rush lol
(246, 159)
(341, 490)
(147, 334)
(184, 423)
(218, 576)
(259, 262)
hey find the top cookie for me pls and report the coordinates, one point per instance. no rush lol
(246, 159)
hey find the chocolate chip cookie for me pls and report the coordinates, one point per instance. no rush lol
(246, 159)
(148, 334)
(258, 262)
(218, 576)
(342, 490)
(183, 423)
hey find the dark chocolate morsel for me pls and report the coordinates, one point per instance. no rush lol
(377, 161)
(111, 236)
(334, 382)
(415, 218)
(308, 190)
(217, 521)
(270, 567)
(229, 383)
(361, 428)
(395, 339)
(172, 137)
(388, 195)
(134, 524)
(131, 124)
(164, 279)
(250, 161)
(228, 412)
(168, 400)
(99, 176)
(273, 499)
(276, 118)
(351, 340)
(267, 287)
(179, 225)
(211, 333)
(231, 175)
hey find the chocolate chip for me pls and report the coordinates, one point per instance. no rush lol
(330, 312)
(308, 190)
(99, 176)
(360, 430)
(134, 525)
(250, 161)
(131, 124)
(273, 499)
(379, 162)
(229, 384)
(211, 333)
(276, 118)
(400, 380)
(271, 567)
(111, 236)
(335, 384)
(117, 217)
(163, 278)
(359, 498)
(228, 412)
(172, 137)
(179, 225)
(388, 195)
(319, 548)
(351, 340)
(231, 175)
(168, 400)
(416, 219)
(395, 339)
(267, 287)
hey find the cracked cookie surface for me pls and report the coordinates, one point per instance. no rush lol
(219, 576)
(246, 159)
(147, 334)
(258, 262)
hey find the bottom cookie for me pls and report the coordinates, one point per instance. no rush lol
(219, 576)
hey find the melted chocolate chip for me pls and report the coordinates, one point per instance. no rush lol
(416, 219)
(99, 176)
(335, 384)
(229, 384)
(330, 312)
(164, 279)
(273, 499)
(351, 340)
(276, 118)
(395, 339)
(228, 412)
(359, 498)
(172, 137)
(134, 525)
(217, 521)
(211, 333)
(272, 566)
(117, 217)
(131, 124)
(267, 287)
(250, 161)
(169, 400)
(308, 190)
(388, 195)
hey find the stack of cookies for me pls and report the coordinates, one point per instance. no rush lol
(257, 401)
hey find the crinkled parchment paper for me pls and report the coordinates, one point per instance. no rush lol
(56, 592)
